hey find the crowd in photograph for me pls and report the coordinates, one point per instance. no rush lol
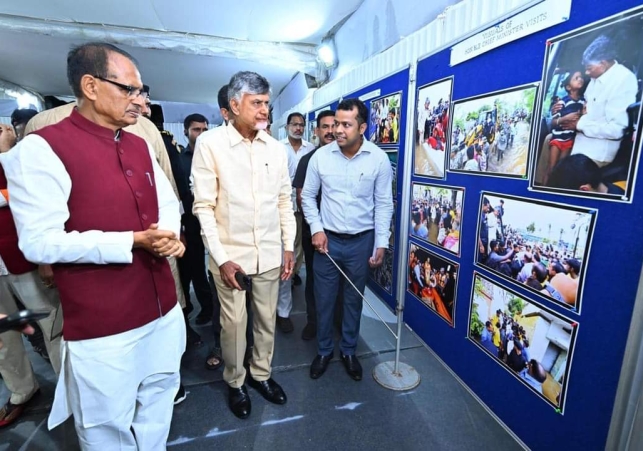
(473, 146)
(384, 124)
(432, 123)
(550, 268)
(436, 219)
(433, 283)
(505, 338)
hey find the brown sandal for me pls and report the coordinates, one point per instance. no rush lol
(215, 355)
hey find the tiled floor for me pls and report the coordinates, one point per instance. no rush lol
(331, 413)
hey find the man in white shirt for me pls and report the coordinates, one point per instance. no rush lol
(108, 243)
(297, 147)
(610, 92)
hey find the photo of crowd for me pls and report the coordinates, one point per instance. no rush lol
(432, 128)
(541, 246)
(590, 110)
(534, 344)
(433, 279)
(383, 275)
(384, 120)
(490, 134)
(436, 215)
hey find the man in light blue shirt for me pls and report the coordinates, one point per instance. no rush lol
(351, 226)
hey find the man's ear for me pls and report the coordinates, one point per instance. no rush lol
(234, 106)
(89, 87)
(586, 187)
(362, 128)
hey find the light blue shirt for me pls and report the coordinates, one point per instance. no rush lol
(356, 192)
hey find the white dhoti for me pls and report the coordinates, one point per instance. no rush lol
(121, 388)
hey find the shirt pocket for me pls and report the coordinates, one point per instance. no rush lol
(365, 187)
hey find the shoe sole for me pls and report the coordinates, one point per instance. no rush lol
(180, 400)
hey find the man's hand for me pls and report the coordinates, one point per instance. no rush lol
(46, 275)
(152, 237)
(320, 242)
(289, 264)
(169, 248)
(377, 259)
(24, 329)
(228, 270)
(7, 137)
(569, 121)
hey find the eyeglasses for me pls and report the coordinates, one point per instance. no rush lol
(132, 91)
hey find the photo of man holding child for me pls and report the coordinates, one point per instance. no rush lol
(590, 110)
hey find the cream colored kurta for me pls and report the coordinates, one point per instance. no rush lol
(242, 199)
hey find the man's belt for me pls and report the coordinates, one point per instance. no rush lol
(347, 236)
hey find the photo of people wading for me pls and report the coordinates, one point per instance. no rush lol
(490, 133)
(586, 139)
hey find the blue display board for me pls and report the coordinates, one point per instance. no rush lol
(501, 94)
(386, 100)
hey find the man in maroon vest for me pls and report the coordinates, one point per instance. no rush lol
(90, 199)
(19, 280)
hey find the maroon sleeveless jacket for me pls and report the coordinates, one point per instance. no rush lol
(9, 251)
(113, 190)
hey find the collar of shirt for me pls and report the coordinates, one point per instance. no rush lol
(91, 127)
(334, 147)
(609, 75)
(236, 138)
(304, 145)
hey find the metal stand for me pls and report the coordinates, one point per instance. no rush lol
(396, 375)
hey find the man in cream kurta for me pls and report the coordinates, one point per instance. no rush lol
(242, 198)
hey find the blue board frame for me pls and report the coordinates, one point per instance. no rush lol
(610, 288)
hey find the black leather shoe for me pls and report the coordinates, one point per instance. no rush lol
(269, 389)
(319, 365)
(285, 325)
(239, 402)
(353, 368)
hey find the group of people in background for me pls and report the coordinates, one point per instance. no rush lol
(437, 220)
(505, 338)
(432, 123)
(551, 269)
(119, 219)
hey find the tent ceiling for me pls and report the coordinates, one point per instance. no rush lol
(183, 73)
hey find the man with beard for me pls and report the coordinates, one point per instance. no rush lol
(324, 132)
(351, 226)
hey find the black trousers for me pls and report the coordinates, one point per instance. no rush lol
(192, 266)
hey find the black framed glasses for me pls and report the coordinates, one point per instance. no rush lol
(132, 91)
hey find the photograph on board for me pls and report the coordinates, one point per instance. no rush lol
(590, 109)
(534, 344)
(436, 215)
(383, 274)
(433, 279)
(392, 158)
(384, 119)
(391, 240)
(490, 134)
(542, 246)
(432, 128)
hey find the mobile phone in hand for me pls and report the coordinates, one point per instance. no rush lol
(244, 281)
(18, 320)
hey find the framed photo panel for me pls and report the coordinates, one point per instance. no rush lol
(491, 133)
(432, 279)
(383, 275)
(432, 128)
(590, 110)
(436, 215)
(534, 344)
(541, 246)
(384, 120)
